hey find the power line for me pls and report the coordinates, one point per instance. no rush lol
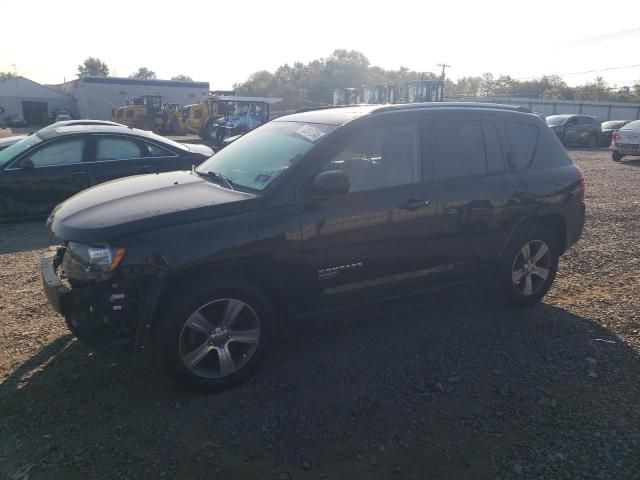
(602, 37)
(581, 73)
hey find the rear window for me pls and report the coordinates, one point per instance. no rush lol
(632, 126)
(610, 125)
(523, 139)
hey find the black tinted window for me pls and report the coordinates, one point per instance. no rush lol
(459, 149)
(523, 138)
(495, 159)
(381, 157)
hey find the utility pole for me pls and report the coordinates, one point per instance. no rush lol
(15, 71)
(444, 66)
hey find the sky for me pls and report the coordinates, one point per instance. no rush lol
(224, 42)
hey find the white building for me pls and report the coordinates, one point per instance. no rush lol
(96, 97)
(36, 103)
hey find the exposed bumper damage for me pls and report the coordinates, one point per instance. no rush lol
(114, 312)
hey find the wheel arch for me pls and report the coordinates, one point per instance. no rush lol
(554, 222)
(259, 271)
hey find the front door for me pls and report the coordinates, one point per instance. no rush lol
(367, 237)
(33, 185)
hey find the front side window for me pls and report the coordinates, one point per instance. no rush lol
(459, 149)
(59, 153)
(259, 157)
(117, 149)
(19, 147)
(381, 157)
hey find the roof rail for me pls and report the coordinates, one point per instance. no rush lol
(427, 105)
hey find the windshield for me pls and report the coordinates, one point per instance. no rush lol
(554, 120)
(262, 155)
(635, 125)
(17, 148)
(611, 125)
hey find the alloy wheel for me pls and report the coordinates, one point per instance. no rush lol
(219, 338)
(531, 267)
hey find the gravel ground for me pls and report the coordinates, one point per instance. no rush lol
(439, 386)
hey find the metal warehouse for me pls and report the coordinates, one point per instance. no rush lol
(36, 103)
(96, 97)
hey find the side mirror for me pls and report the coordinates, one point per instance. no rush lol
(27, 165)
(330, 183)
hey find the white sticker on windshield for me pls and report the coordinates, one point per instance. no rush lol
(310, 133)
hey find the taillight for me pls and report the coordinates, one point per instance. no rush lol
(582, 185)
(615, 137)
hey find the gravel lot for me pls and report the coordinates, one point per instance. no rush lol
(440, 386)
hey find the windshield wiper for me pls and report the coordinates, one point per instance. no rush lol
(219, 177)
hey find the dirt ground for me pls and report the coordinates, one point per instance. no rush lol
(440, 386)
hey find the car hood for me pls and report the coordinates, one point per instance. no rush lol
(198, 148)
(145, 202)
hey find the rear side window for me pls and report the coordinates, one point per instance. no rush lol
(523, 139)
(459, 149)
(117, 149)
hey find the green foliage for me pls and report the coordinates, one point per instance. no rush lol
(182, 78)
(93, 67)
(312, 83)
(6, 76)
(144, 73)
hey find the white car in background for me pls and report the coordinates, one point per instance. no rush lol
(626, 141)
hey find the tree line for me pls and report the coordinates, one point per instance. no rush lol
(310, 84)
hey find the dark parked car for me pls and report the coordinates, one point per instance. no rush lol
(576, 129)
(607, 130)
(45, 168)
(8, 141)
(309, 212)
(626, 141)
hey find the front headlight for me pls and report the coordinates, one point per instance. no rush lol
(95, 258)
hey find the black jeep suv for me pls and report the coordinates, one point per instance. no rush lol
(312, 211)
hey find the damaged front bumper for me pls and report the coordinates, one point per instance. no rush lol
(108, 313)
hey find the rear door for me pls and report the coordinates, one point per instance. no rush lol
(474, 190)
(117, 156)
(34, 184)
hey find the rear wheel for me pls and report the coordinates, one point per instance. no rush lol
(616, 156)
(213, 337)
(528, 266)
(592, 141)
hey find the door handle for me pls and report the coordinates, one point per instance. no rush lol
(414, 204)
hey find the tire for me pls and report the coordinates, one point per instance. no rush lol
(520, 282)
(239, 322)
(616, 156)
(592, 141)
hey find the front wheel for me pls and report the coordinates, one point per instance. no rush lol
(213, 337)
(528, 266)
(616, 156)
